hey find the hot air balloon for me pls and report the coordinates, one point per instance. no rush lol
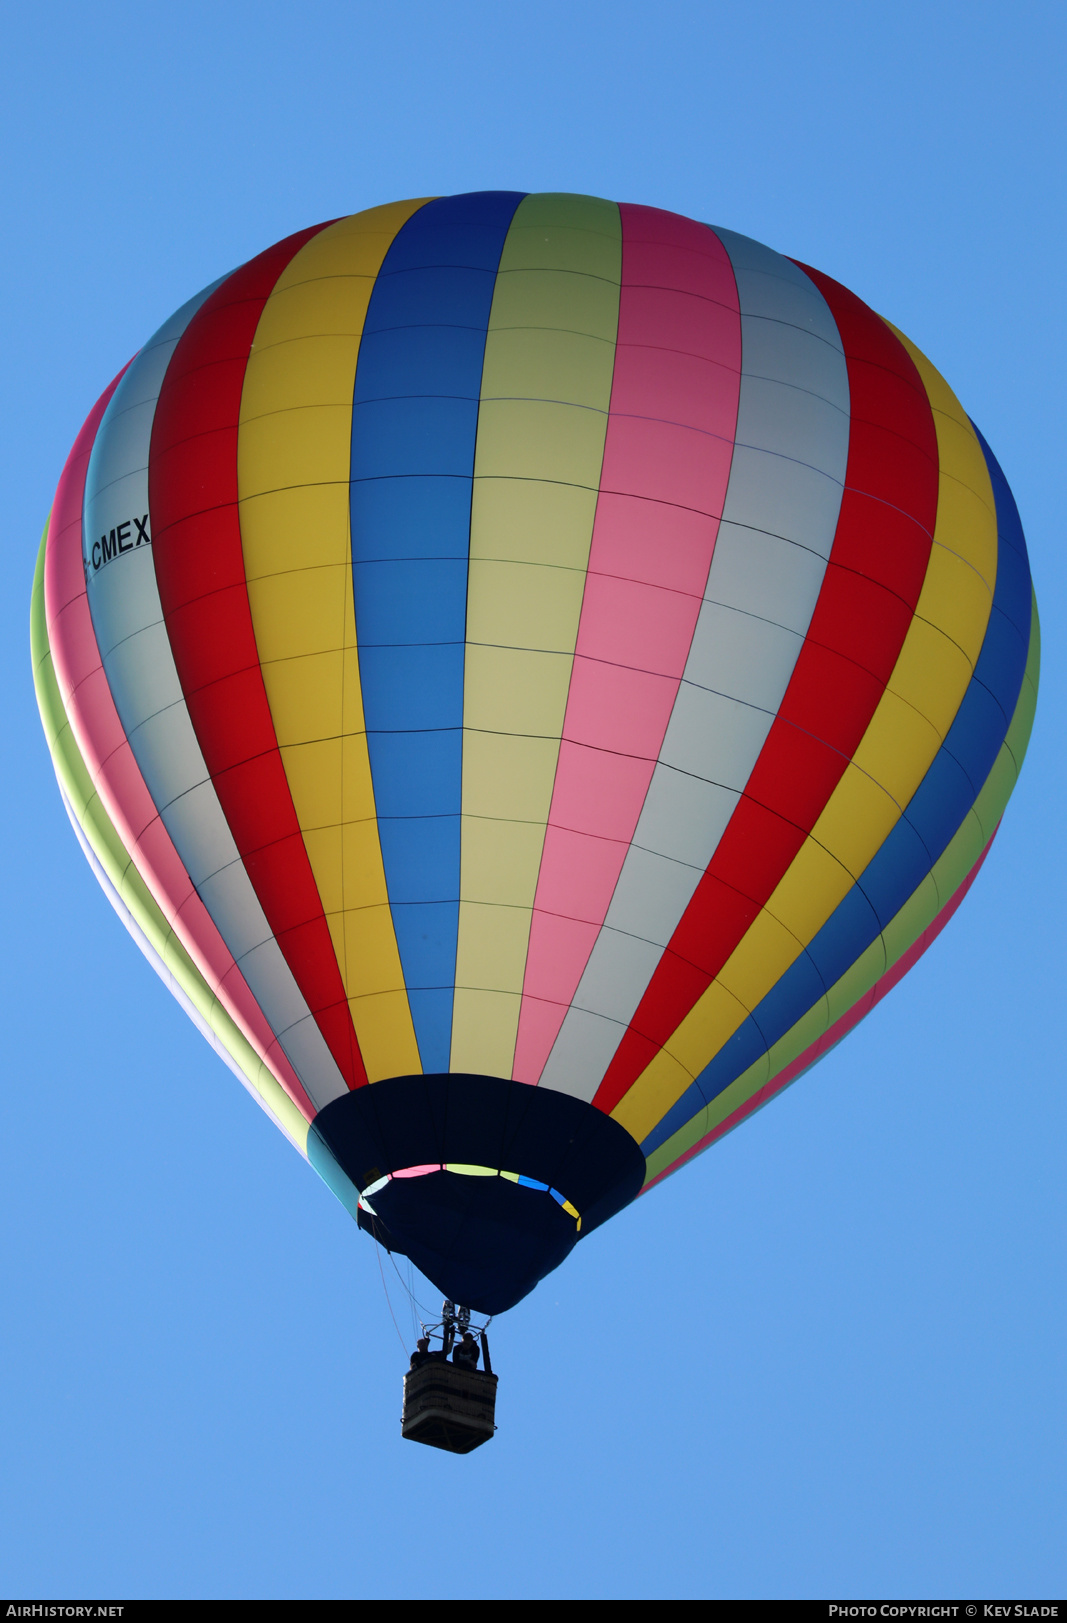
(531, 673)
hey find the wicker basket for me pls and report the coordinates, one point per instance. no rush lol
(448, 1407)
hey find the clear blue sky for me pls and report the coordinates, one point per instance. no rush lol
(826, 1359)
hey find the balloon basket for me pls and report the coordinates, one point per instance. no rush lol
(448, 1407)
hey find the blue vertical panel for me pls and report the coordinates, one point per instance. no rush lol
(414, 423)
(932, 817)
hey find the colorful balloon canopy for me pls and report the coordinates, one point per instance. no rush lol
(531, 673)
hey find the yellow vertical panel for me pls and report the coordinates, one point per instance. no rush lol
(293, 459)
(761, 958)
(305, 445)
(546, 389)
(313, 512)
(368, 932)
(963, 597)
(304, 609)
(318, 311)
(851, 823)
(967, 527)
(313, 678)
(931, 675)
(323, 846)
(812, 886)
(383, 1024)
(364, 878)
(898, 745)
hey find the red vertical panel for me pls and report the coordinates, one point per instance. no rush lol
(200, 571)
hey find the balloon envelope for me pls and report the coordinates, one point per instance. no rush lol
(531, 673)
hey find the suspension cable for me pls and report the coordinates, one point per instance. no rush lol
(385, 1288)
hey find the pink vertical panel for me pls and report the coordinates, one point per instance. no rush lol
(667, 456)
(102, 741)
